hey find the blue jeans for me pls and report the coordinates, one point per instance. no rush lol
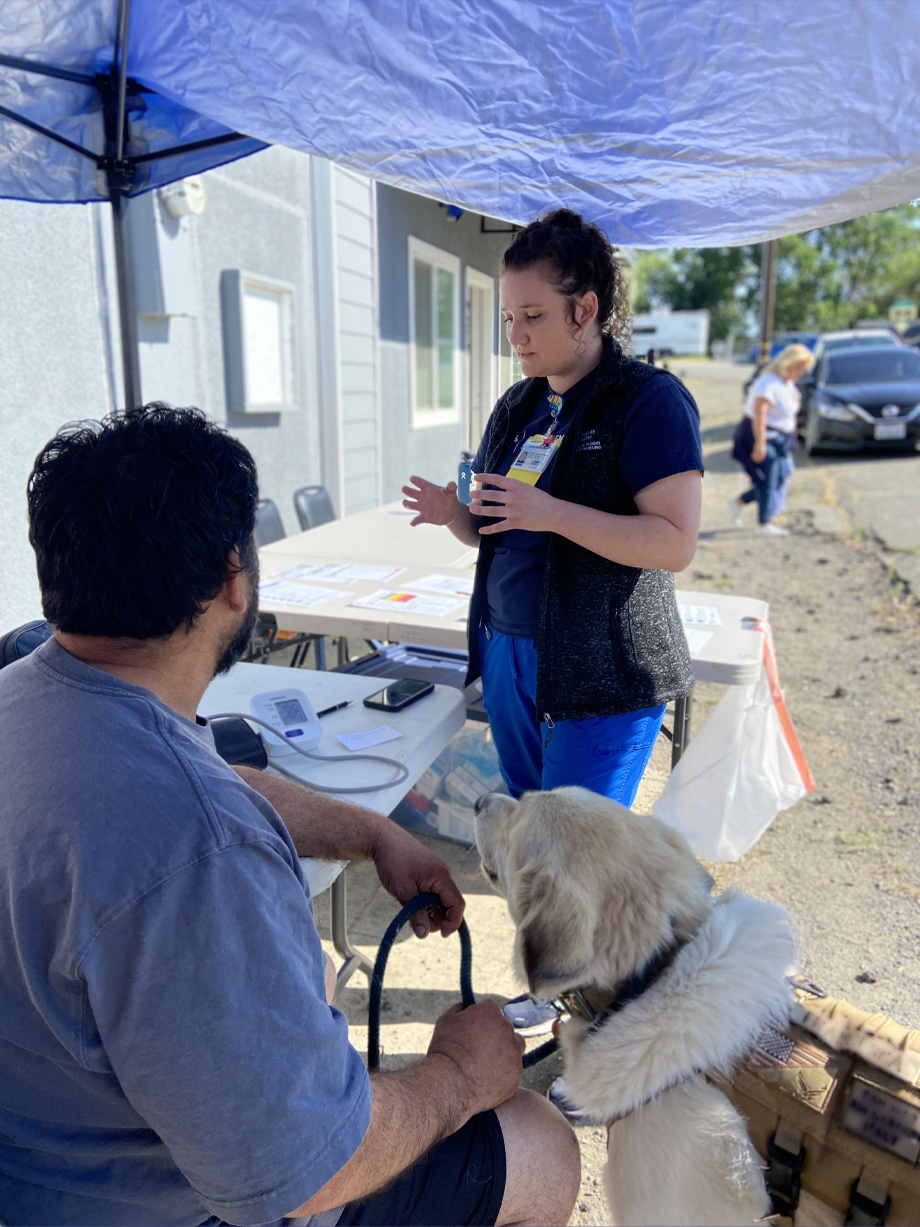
(606, 754)
(768, 476)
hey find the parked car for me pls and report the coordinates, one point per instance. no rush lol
(781, 340)
(853, 337)
(859, 398)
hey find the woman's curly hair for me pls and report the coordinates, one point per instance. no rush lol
(583, 259)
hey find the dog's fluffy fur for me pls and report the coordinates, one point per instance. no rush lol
(595, 892)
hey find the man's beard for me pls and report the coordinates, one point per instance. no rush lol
(238, 643)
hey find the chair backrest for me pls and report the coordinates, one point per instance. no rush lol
(23, 640)
(313, 506)
(268, 523)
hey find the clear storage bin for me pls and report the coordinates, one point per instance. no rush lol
(442, 800)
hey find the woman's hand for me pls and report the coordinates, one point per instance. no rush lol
(759, 452)
(522, 505)
(432, 504)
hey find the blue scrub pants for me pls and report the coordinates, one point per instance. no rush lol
(606, 754)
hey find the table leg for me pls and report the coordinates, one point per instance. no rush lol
(682, 712)
(319, 647)
(354, 959)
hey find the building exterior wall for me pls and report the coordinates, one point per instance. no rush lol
(355, 247)
(338, 248)
(60, 356)
(432, 451)
(56, 359)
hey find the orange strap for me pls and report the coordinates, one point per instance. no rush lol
(785, 720)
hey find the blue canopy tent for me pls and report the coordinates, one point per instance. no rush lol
(668, 122)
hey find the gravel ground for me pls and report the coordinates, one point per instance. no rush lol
(844, 861)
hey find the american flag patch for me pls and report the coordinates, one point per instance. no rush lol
(800, 1068)
(774, 1048)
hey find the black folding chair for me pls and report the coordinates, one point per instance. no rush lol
(313, 506)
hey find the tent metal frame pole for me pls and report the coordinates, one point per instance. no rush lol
(119, 178)
(127, 303)
(767, 297)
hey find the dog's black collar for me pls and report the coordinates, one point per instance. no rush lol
(596, 1006)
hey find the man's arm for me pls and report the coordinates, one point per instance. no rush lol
(473, 1063)
(334, 830)
(319, 825)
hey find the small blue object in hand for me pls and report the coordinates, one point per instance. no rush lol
(464, 479)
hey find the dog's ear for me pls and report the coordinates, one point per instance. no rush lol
(555, 934)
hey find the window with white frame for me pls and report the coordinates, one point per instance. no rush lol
(258, 342)
(434, 332)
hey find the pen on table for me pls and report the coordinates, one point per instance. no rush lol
(327, 711)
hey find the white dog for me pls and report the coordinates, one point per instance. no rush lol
(665, 985)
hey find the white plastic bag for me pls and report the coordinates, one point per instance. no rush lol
(739, 771)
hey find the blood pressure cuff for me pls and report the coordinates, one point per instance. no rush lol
(237, 743)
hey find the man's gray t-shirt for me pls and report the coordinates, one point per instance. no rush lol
(167, 1055)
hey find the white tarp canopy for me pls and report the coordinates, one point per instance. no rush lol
(669, 122)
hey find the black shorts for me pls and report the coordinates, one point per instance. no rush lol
(460, 1182)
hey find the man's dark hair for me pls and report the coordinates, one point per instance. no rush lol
(132, 519)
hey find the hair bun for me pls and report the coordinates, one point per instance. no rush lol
(564, 218)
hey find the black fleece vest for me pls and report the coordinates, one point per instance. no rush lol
(610, 638)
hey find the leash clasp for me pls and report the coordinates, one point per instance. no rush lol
(577, 1006)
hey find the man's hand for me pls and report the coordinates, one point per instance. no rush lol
(473, 1064)
(406, 869)
(486, 1048)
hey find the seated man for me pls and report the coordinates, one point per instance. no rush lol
(167, 1054)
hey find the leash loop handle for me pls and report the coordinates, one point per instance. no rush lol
(418, 904)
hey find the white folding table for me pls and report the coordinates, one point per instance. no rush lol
(426, 727)
(382, 534)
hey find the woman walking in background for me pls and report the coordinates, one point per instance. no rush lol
(766, 435)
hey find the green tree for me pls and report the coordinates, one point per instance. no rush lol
(827, 278)
(832, 277)
(690, 279)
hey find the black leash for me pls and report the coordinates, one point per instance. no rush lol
(419, 904)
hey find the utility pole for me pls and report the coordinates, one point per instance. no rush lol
(767, 297)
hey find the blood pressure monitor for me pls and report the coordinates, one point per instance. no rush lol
(292, 719)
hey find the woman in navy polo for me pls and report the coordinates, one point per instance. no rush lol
(587, 500)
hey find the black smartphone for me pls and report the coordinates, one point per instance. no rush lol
(399, 695)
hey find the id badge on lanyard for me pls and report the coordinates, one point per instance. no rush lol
(534, 457)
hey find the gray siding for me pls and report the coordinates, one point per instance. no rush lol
(356, 315)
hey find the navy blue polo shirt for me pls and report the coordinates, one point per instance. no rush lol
(661, 437)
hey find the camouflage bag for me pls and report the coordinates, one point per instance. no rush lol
(833, 1107)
